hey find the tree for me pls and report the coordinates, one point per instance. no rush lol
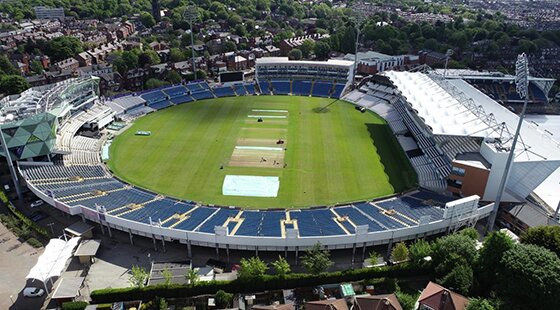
(451, 251)
(223, 299)
(307, 47)
(488, 264)
(173, 77)
(148, 58)
(470, 232)
(138, 276)
(399, 252)
(167, 276)
(479, 304)
(13, 84)
(281, 266)
(6, 66)
(322, 50)
(546, 236)
(459, 279)
(36, 67)
(62, 48)
(407, 301)
(252, 267)
(317, 259)
(147, 20)
(161, 303)
(295, 54)
(373, 257)
(418, 250)
(176, 55)
(155, 83)
(230, 46)
(192, 276)
(531, 277)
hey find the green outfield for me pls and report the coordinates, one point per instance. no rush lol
(326, 157)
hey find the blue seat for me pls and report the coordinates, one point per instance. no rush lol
(250, 88)
(265, 87)
(240, 89)
(225, 91)
(301, 88)
(175, 91)
(322, 89)
(181, 99)
(280, 87)
(338, 88)
(358, 218)
(379, 217)
(218, 219)
(201, 95)
(161, 105)
(196, 217)
(153, 97)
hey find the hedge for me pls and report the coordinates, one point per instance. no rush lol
(74, 305)
(263, 283)
(40, 230)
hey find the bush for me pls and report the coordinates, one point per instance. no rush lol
(34, 243)
(74, 305)
(28, 222)
(263, 283)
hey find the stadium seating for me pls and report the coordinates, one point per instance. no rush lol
(218, 219)
(316, 222)
(224, 91)
(175, 91)
(322, 89)
(201, 95)
(153, 97)
(338, 88)
(301, 88)
(194, 86)
(161, 105)
(239, 89)
(264, 87)
(181, 99)
(250, 87)
(280, 87)
(358, 218)
(196, 217)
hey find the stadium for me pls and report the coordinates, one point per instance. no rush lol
(275, 164)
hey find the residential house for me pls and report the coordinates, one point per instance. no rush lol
(378, 302)
(289, 44)
(437, 297)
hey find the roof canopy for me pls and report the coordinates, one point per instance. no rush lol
(52, 261)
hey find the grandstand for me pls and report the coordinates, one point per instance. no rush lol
(303, 78)
(452, 130)
(81, 185)
(501, 87)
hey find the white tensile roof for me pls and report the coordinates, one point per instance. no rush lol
(446, 115)
(53, 260)
(439, 109)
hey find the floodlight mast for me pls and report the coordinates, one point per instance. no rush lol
(522, 87)
(191, 15)
(447, 55)
(359, 17)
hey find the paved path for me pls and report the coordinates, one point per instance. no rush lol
(16, 259)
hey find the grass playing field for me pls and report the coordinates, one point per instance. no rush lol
(334, 156)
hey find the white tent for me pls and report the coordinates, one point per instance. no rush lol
(52, 261)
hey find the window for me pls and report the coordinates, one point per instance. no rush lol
(458, 171)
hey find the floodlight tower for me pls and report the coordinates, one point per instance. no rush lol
(522, 87)
(447, 55)
(191, 15)
(359, 17)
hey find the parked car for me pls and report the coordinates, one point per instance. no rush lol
(33, 292)
(37, 216)
(36, 203)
